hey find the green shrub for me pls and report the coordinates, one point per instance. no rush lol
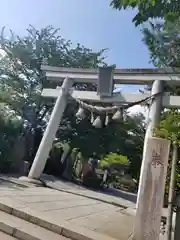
(114, 159)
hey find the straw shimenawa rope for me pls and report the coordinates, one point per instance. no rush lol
(113, 109)
(97, 109)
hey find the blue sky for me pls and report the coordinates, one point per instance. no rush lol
(92, 23)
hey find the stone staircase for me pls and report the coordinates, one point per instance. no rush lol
(29, 212)
(13, 228)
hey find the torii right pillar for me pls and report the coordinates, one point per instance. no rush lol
(154, 116)
(153, 175)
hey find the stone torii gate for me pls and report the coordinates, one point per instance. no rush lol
(105, 79)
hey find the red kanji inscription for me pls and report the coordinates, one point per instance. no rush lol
(156, 159)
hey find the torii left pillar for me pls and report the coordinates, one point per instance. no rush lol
(50, 132)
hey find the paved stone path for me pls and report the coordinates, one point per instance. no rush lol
(116, 197)
(113, 196)
(57, 207)
(111, 214)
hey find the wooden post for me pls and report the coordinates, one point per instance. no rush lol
(151, 193)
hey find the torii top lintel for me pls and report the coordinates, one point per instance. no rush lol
(120, 76)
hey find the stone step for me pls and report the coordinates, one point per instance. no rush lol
(20, 229)
(63, 228)
(4, 236)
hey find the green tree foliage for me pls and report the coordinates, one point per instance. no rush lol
(125, 138)
(10, 128)
(21, 74)
(169, 127)
(150, 9)
(163, 42)
(21, 77)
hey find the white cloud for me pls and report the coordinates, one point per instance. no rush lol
(135, 109)
(138, 109)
